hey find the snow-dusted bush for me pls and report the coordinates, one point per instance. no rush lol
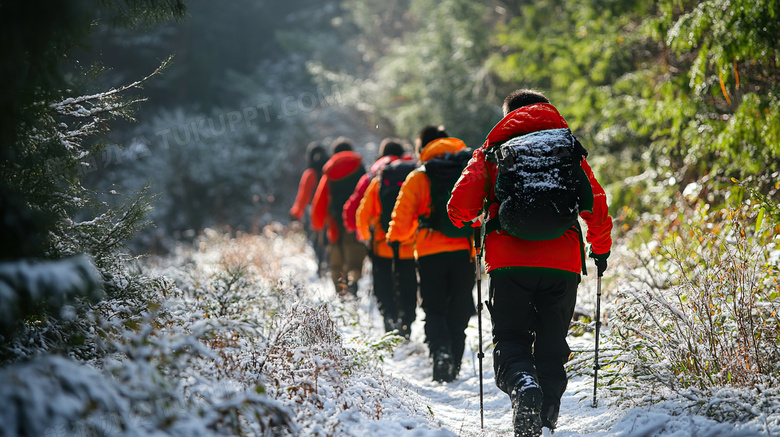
(701, 314)
(270, 333)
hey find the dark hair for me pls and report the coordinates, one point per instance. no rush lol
(391, 146)
(522, 97)
(341, 144)
(316, 156)
(428, 134)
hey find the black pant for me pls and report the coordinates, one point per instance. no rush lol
(446, 284)
(397, 305)
(531, 311)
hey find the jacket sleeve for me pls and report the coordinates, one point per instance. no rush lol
(470, 191)
(368, 212)
(319, 209)
(306, 189)
(599, 222)
(352, 204)
(413, 200)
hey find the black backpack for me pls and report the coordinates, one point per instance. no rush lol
(341, 189)
(540, 185)
(443, 171)
(391, 178)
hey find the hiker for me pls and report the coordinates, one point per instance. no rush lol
(389, 150)
(316, 156)
(395, 274)
(340, 176)
(533, 281)
(446, 264)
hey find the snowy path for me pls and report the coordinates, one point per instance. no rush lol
(455, 406)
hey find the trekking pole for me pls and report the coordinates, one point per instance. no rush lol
(478, 246)
(596, 365)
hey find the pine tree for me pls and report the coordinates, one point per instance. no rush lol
(43, 157)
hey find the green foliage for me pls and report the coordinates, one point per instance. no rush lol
(430, 70)
(675, 91)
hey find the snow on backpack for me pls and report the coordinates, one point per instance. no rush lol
(443, 171)
(541, 186)
(341, 189)
(391, 178)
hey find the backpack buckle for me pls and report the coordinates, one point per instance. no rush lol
(505, 158)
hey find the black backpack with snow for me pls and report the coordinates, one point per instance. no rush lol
(391, 178)
(541, 186)
(443, 171)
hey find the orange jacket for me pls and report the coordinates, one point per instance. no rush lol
(477, 183)
(339, 166)
(368, 216)
(306, 187)
(414, 201)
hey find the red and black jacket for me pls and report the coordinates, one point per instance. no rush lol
(476, 185)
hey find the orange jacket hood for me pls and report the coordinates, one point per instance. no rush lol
(440, 147)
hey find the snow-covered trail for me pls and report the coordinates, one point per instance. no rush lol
(455, 406)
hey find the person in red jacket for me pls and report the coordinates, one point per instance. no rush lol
(389, 150)
(446, 264)
(316, 157)
(340, 176)
(533, 284)
(395, 275)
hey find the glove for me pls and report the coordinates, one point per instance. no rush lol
(601, 261)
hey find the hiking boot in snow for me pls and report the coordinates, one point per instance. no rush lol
(550, 416)
(443, 365)
(526, 399)
(404, 330)
(455, 370)
(352, 289)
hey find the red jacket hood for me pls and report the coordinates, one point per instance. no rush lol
(521, 121)
(342, 164)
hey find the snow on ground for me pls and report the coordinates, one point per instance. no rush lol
(455, 406)
(395, 396)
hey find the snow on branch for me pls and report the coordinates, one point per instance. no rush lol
(91, 111)
(25, 284)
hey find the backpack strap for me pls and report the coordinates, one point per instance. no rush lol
(578, 228)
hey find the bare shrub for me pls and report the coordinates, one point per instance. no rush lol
(707, 317)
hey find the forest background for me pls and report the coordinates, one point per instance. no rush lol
(664, 93)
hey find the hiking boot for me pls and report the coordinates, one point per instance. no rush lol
(550, 416)
(443, 365)
(526, 399)
(404, 330)
(352, 289)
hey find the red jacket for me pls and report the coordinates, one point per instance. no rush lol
(306, 187)
(351, 207)
(339, 166)
(477, 183)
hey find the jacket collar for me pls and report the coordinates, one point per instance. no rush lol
(521, 121)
